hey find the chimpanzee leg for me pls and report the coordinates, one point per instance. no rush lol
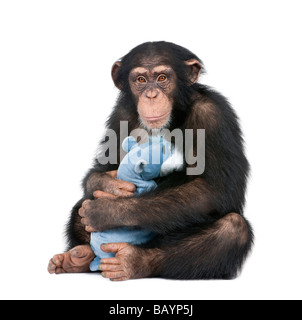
(79, 254)
(75, 231)
(214, 252)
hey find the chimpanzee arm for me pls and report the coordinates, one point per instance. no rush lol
(107, 182)
(168, 210)
(97, 178)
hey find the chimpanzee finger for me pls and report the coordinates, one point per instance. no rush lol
(120, 279)
(90, 229)
(113, 275)
(113, 173)
(81, 212)
(113, 247)
(110, 267)
(86, 203)
(101, 194)
(110, 261)
(128, 186)
(87, 227)
(123, 193)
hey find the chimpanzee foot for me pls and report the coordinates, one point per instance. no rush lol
(77, 260)
(130, 262)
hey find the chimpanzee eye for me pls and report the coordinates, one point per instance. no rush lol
(162, 78)
(141, 79)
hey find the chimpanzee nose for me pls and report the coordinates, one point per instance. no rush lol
(151, 93)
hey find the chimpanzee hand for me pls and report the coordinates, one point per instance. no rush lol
(130, 262)
(107, 182)
(99, 214)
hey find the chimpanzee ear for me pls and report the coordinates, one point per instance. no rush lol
(114, 73)
(195, 70)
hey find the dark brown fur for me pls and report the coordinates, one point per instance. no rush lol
(198, 235)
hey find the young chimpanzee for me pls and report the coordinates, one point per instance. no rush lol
(198, 219)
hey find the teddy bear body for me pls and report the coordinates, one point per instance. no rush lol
(142, 164)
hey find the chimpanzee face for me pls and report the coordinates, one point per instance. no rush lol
(153, 84)
(153, 88)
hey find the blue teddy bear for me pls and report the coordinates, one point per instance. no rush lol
(141, 165)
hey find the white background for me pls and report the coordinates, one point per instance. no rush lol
(56, 93)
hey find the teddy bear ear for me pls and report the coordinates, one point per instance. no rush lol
(129, 143)
(140, 165)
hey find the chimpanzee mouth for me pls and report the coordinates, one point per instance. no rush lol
(153, 125)
(154, 119)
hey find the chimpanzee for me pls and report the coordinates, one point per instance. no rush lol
(198, 219)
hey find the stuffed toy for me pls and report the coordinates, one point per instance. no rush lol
(142, 164)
